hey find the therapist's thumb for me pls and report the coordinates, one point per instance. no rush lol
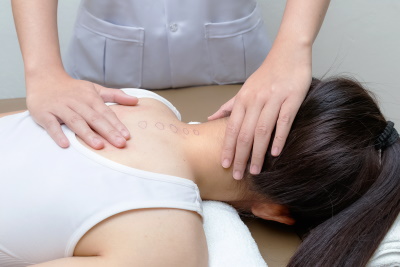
(117, 96)
(224, 111)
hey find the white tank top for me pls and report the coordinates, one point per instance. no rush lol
(50, 197)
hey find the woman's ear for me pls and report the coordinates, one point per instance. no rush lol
(272, 212)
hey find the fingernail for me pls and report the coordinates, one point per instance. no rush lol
(64, 143)
(237, 175)
(96, 141)
(125, 133)
(254, 169)
(120, 140)
(275, 151)
(225, 163)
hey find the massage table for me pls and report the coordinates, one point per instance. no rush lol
(276, 242)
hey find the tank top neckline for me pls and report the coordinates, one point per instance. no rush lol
(75, 144)
(139, 93)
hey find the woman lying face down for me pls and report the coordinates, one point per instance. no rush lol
(337, 177)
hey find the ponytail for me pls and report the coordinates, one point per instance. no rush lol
(350, 237)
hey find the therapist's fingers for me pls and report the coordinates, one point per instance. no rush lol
(244, 142)
(113, 121)
(52, 126)
(56, 99)
(102, 120)
(224, 111)
(113, 96)
(285, 120)
(97, 117)
(79, 126)
(116, 96)
(263, 131)
(231, 134)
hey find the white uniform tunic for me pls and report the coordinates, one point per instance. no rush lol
(167, 43)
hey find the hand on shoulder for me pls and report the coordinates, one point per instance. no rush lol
(56, 98)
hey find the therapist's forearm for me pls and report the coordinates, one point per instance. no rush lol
(36, 24)
(301, 22)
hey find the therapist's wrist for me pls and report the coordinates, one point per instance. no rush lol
(287, 52)
(46, 72)
(303, 39)
(39, 78)
(300, 43)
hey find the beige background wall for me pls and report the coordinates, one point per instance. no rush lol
(359, 38)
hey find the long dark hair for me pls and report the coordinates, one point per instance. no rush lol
(335, 183)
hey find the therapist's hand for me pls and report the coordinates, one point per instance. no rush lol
(53, 99)
(270, 97)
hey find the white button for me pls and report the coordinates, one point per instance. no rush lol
(173, 27)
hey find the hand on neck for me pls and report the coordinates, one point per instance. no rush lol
(217, 183)
(203, 153)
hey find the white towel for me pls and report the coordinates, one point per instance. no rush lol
(230, 243)
(229, 240)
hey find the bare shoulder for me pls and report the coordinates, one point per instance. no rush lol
(10, 113)
(147, 107)
(149, 237)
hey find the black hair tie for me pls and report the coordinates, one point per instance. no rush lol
(388, 137)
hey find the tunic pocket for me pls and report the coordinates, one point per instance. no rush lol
(237, 48)
(105, 53)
